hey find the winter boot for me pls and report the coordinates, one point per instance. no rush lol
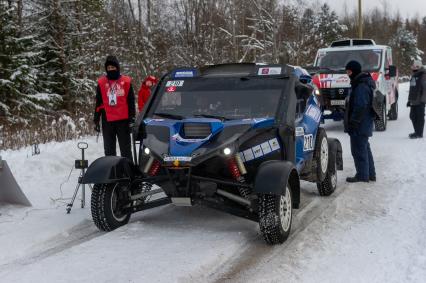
(355, 179)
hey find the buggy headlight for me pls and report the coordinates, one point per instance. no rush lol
(147, 151)
(227, 151)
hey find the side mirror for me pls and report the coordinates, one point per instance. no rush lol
(392, 71)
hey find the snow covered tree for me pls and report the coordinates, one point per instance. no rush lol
(404, 44)
(329, 27)
(18, 100)
(421, 37)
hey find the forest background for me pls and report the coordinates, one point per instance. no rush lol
(52, 51)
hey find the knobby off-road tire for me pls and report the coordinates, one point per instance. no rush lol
(275, 216)
(381, 123)
(321, 155)
(104, 206)
(329, 184)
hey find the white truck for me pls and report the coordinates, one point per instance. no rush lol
(334, 84)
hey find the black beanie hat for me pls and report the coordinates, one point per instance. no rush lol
(112, 61)
(354, 66)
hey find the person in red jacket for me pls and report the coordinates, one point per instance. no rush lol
(145, 91)
(115, 106)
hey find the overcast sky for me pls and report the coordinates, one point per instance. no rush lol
(406, 7)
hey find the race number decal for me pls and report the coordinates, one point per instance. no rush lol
(308, 142)
(174, 83)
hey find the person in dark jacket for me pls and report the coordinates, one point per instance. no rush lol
(359, 118)
(115, 106)
(417, 99)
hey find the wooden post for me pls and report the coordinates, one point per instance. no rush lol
(360, 35)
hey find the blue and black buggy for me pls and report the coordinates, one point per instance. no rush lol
(234, 137)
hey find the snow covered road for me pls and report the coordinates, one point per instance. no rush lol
(363, 233)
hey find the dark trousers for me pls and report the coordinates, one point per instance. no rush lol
(363, 158)
(417, 116)
(113, 130)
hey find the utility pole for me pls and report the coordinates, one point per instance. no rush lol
(360, 18)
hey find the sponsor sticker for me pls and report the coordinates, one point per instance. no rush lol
(177, 158)
(260, 150)
(300, 131)
(266, 148)
(174, 83)
(269, 71)
(248, 154)
(171, 89)
(274, 144)
(314, 112)
(184, 74)
(257, 151)
(308, 142)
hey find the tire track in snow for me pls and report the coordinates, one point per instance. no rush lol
(81, 233)
(257, 251)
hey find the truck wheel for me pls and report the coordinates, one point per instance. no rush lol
(381, 123)
(329, 184)
(393, 113)
(275, 216)
(107, 211)
(321, 154)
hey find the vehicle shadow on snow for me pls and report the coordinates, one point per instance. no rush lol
(195, 218)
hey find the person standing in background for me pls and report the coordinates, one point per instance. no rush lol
(115, 106)
(417, 99)
(145, 91)
(358, 122)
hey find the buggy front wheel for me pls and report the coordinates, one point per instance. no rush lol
(275, 216)
(107, 206)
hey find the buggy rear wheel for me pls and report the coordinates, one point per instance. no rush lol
(329, 184)
(321, 155)
(107, 207)
(275, 216)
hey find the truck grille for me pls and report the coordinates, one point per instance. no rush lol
(196, 130)
(335, 93)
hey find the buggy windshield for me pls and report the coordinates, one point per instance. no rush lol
(370, 60)
(225, 98)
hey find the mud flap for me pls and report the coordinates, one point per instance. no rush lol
(335, 154)
(10, 192)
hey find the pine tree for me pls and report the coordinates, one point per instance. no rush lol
(18, 101)
(404, 44)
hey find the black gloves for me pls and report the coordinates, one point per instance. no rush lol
(97, 127)
(408, 104)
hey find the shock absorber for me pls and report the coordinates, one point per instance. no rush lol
(237, 169)
(234, 170)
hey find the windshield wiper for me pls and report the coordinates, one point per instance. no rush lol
(212, 116)
(170, 116)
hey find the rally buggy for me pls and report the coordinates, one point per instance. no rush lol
(234, 137)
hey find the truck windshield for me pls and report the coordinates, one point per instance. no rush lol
(224, 98)
(370, 60)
